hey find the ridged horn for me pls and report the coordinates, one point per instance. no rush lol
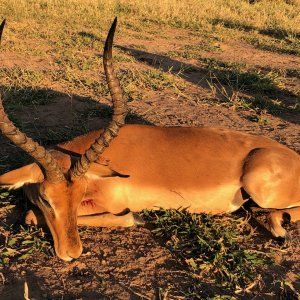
(1, 29)
(39, 153)
(119, 111)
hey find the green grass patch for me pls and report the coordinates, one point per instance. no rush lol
(20, 242)
(241, 77)
(249, 88)
(293, 73)
(193, 51)
(134, 81)
(72, 60)
(207, 45)
(286, 46)
(212, 246)
(26, 87)
(17, 76)
(24, 242)
(16, 96)
(22, 87)
(5, 200)
(186, 54)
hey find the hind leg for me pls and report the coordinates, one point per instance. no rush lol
(271, 178)
(277, 218)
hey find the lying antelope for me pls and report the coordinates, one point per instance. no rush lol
(101, 178)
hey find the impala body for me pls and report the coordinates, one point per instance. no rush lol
(173, 167)
(101, 178)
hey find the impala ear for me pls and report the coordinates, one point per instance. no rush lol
(97, 171)
(24, 175)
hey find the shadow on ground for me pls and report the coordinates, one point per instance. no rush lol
(51, 117)
(200, 76)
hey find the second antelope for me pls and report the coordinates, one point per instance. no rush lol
(103, 177)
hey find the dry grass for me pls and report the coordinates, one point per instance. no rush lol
(270, 15)
(68, 35)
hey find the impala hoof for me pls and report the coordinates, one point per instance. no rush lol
(35, 217)
(285, 241)
(138, 220)
(30, 218)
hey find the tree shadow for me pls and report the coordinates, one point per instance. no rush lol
(89, 35)
(260, 91)
(14, 287)
(51, 117)
(272, 32)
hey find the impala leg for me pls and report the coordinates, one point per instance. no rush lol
(271, 178)
(110, 220)
(277, 218)
(35, 217)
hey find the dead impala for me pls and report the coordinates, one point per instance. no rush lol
(101, 178)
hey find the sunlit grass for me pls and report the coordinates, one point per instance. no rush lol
(281, 16)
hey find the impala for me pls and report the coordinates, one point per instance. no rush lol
(104, 177)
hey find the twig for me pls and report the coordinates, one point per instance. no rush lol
(280, 250)
(26, 296)
(3, 278)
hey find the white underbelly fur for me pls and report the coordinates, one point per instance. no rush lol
(214, 200)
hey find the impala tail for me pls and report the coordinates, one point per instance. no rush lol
(55, 189)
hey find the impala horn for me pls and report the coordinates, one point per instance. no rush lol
(40, 154)
(119, 112)
(1, 28)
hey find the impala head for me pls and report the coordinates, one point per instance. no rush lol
(54, 183)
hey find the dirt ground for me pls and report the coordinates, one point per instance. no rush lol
(132, 263)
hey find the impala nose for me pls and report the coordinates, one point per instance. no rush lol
(69, 252)
(75, 252)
